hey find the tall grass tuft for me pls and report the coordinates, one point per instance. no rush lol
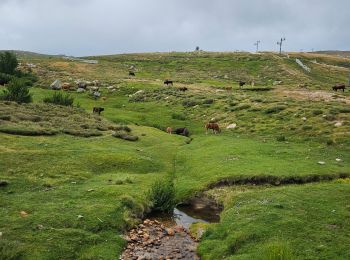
(162, 195)
(60, 99)
(277, 251)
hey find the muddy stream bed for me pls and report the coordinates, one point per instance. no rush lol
(167, 236)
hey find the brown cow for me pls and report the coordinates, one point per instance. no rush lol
(169, 130)
(214, 126)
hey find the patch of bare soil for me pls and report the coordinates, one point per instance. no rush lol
(314, 95)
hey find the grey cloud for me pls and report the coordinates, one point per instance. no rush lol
(87, 27)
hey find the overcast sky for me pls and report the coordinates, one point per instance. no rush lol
(88, 27)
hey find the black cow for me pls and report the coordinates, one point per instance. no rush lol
(182, 131)
(167, 82)
(339, 86)
(183, 89)
(131, 73)
(241, 83)
(98, 110)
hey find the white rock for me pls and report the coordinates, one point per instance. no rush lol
(139, 92)
(337, 124)
(321, 162)
(231, 126)
(338, 160)
(80, 216)
(0, 234)
(304, 118)
(81, 90)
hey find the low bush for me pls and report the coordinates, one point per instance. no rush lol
(26, 131)
(178, 116)
(317, 112)
(82, 133)
(122, 128)
(5, 78)
(189, 103)
(208, 101)
(125, 136)
(162, 195)
(274, 109)
(281, 138)
(18, 91)
(58, 98)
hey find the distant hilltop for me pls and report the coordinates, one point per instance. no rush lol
(345, 54)
(29, 54)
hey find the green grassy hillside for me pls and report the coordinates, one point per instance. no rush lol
(80, 188)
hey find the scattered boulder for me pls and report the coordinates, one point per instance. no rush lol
(81, 90)
(277, 82)
(338, 159)
(338, 124)
(231, 126)
(321, 162)
(304, 118)
(56, 85)
(23, 214)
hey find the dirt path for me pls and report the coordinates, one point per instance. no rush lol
(152, 240)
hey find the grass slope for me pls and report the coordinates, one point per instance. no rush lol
(104, 179)
(300, 222)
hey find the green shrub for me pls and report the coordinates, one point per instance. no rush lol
(122, 128)
(344, 110)
(59, 98)
(317, 112)
(17, 91)
(125, 136)
(5, 78)
(162, 195)
(178, 116)
(208, 101)
(8, 62)
(189, 103)
(274, 109)
(281, 138)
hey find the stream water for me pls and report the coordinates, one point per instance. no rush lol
(195, 210)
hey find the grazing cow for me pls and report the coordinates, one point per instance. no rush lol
(182, 131)
(98, 110)
(167, 82)
(214, 126)
(183, 89)
(169, 130)
(104, 98)
(131, 73)
(66, 86)
(241, 83)
(339, 86)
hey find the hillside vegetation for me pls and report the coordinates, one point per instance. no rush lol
(70, 189)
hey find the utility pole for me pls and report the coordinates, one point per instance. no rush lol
(280, 44)
(257, 45)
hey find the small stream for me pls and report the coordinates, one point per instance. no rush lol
(198, 209)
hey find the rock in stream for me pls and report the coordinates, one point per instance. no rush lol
(152, 240)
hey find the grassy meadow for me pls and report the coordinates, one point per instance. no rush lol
(74, 189)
